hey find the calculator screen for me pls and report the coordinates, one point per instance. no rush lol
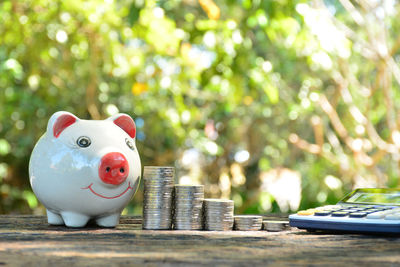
(374, 196)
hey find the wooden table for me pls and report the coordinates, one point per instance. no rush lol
(30, 241)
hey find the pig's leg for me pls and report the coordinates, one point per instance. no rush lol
(108, 221)
(73, 219)
(54, 218)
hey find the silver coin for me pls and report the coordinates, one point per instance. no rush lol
(218, 214)
(188, 207)
(158, 182)
(275, 226)
(248, 222)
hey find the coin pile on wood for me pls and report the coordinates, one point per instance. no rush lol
(188, 203)
(183, 207)
(275, 226)
(218, 214)
(248, 222)
(157, 197)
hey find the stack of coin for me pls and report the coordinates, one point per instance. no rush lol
(188, 207)
(275, 226)
(248, 222)
(218, 214)
(157, 197)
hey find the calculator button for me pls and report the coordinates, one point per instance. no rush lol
(332, 208)
(367, 208)
(322, 213)
(360, 209)
(320, 209)
(392, 217)
(305, 212)
(339, 214)
(316, 209)
(357, 215)
(384, 208)
(349, 210)
(372, 210)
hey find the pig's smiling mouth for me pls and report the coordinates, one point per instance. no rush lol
(99, 195)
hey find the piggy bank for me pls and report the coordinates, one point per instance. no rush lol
(85, 169)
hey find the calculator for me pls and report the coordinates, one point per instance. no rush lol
(365, 210)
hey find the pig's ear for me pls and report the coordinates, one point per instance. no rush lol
(125, 122)
(59, 122)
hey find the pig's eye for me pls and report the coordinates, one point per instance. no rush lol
(83, 141)
(129, 144)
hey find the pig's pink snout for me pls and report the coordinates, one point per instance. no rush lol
(114, 168)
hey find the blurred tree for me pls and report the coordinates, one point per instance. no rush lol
(356, 123)
(217, 88)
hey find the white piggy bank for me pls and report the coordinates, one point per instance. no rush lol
(85, 169)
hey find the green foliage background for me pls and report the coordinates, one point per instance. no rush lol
(248, 81)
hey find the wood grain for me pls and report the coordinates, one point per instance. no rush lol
(30, 241)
